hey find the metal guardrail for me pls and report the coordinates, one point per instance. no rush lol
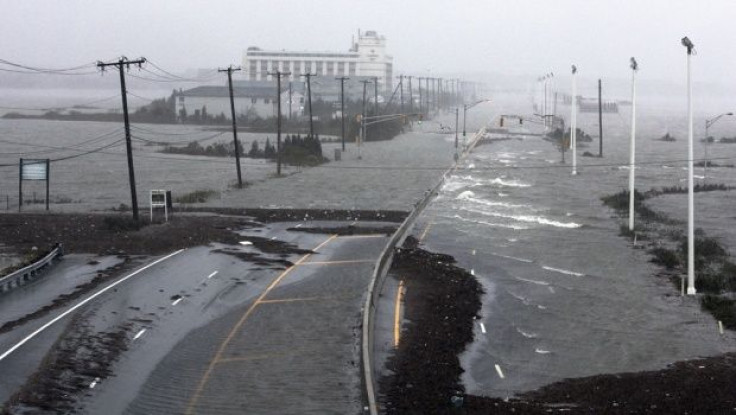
(17, 278)
(379, 277)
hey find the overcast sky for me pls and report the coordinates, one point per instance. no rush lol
(448, 36)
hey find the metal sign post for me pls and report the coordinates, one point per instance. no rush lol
(33, 169)
(159, 198)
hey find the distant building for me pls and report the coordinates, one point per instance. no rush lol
(250, 98)
(367, 58)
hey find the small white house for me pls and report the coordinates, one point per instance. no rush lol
(251, 100)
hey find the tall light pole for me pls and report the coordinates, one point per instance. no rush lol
(574, 122)
(457, 116)
(632, 143)
(342, 80)
(708, 124)
(544, 106)
(690, 191)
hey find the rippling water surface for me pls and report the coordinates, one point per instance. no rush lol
(565, 295)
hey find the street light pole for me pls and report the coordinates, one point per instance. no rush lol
(708, 124)
(632, 143)
(342, 80)
(690, 191)
(457, 116)
(574, 122)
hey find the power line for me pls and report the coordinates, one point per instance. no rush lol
(97, 150)
(74, 147)
(147, 140)
(31, 68)
(149, 131)
(71, 106)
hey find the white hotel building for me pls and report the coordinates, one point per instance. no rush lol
(366, 58)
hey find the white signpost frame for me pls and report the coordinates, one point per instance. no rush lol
(158, 199)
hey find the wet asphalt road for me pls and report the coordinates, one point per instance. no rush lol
(210, 333)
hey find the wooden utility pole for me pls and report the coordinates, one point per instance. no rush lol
(230, 71)
(278, 75)
(342, 80)
(123, 62)
(600, 120)
(411, 96)
(309, 101)
(421, 105)
(401, 93)
(365, 82)
(375, 95)
(290, 99)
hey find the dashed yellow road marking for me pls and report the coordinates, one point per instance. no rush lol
(397, 314)
(262, 356)
(426, 231)
(365, 236)
(218, 356)
(291, 300)
(348, 261)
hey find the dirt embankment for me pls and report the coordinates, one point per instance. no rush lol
(116, 234)
(442, 301)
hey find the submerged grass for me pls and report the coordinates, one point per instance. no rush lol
(715, 273)
(197, 196)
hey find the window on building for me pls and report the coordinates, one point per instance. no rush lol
(351, 68)
(308, 67)
(266, 101)
(253, 100)
(264, 68)
(181, 98)
(319, 67)
(330, 68)
(341, 68)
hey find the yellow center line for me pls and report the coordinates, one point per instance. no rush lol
(238, 325)
(261, 356)
(349, 261)
(397, 314)
(365, 236)
(426, 231)
(291, 300)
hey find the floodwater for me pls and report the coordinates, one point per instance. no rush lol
(565, 295)
(93, 171)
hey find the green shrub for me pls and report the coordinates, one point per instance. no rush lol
(197, 196)
(665, 257)
(721, 308)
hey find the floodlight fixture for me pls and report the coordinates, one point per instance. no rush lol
(688, 44)
(634, 65)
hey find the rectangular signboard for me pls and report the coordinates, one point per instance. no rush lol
(34, 169)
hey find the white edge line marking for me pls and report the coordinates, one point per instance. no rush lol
(500, 372)
(483, 328)
(83, 302)
(178, 300)
(140, 333)
(212, 275)
(563, 271)
(528, 261)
